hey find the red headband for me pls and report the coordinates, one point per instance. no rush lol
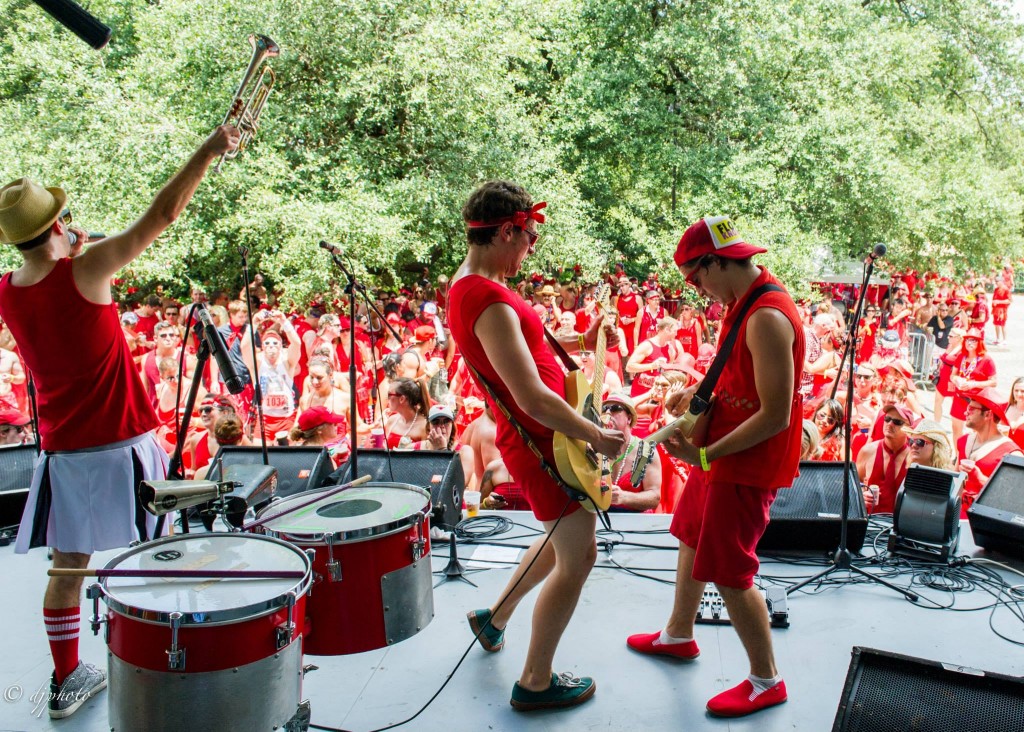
(518, 219)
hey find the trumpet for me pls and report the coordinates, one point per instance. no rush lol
(247, 118)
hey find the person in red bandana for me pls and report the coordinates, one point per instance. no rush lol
(501, 337)
(746, 448)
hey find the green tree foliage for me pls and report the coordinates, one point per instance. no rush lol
(821, 125)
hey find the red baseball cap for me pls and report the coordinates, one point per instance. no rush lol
(316, 416)
(904, 413)
(713, 235)
(13, 417)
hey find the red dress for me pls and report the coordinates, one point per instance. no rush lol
(628, 306)
(999, 310)
(687, 335)
(980, 369)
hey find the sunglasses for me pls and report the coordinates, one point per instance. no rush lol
(205, 410)
(894, 420)
(866, 377)
(613, 408)
(533, 236)
(916, 441)
(65, 216)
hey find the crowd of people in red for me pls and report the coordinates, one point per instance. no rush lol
(412, 390)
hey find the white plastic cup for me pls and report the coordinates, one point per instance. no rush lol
(281, 438)
(472, 499)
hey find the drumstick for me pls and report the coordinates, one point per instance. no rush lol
(180, 573)
(291, 509)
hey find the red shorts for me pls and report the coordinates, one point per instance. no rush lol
(722, 522)
(273, 425)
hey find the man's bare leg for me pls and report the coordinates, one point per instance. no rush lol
(574, 551)
(689, 593)
(749, 615)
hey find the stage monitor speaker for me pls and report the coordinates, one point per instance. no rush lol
(807, 514)
(298, 468)
(437, 471)
(926, 518)
(997, 515)
(888, 692)
(16, 465)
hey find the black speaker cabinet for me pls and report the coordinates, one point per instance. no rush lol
(997, 515)
(16, 465)
(298, 468)
(807, 514)
(887, 692)
(437, 471)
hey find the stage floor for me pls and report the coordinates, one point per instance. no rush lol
(375, 689)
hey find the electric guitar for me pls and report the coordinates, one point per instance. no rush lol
(684, 424)
(577, 463)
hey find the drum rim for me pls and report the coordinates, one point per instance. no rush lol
(353, 535)
(229, 616)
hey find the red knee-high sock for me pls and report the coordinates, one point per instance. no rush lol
(62, 627)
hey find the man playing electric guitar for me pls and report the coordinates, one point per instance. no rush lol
(745, 447)
(502, 338)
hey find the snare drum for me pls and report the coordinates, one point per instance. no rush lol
(371, 573)
(188, 654)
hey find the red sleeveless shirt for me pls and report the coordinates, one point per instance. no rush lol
(89, 391)
(773, 463)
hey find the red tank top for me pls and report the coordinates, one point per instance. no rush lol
(687, 337)
(773, 463)
(89, 391)
(468, 297)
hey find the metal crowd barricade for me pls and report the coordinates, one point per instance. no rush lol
(919, 353)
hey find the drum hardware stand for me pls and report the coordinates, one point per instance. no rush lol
(454, 570)
(175, 655)
(842, 558)
(352, 288)
(287, 630)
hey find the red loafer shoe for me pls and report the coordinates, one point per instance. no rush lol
(651, 644)
(740, 700)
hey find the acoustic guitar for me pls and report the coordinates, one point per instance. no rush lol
(577, 463)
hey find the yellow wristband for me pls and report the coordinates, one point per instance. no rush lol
(703, 452)
(583, 345)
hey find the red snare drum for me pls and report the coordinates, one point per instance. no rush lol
(186, 654)
(371, 573)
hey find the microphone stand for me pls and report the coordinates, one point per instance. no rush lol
(257, 396)
(353, 414)
(842, 559)
(174, 471)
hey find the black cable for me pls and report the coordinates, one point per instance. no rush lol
(476, 637)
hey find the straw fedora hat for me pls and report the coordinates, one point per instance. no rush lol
(27, 210)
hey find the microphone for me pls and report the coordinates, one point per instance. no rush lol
(77, 20)
(93, 236)
(215, 343)
(877, 253)
(335, 250)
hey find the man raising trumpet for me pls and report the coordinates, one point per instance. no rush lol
(95, 420)
(746, 447)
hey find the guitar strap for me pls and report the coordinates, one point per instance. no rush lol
(560, 351)
(702, 398)
(573, 493)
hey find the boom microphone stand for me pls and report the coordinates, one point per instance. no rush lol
(842, 559)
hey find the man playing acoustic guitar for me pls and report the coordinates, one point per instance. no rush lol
(746, 447)
(503, 340)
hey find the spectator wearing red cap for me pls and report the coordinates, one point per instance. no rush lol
(15, 428)
(981, 450)
(11, 374)
(748, 448)
(319, 426)
(973, 370)
(883, 463)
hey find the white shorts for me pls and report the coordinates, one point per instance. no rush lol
(85, 501)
